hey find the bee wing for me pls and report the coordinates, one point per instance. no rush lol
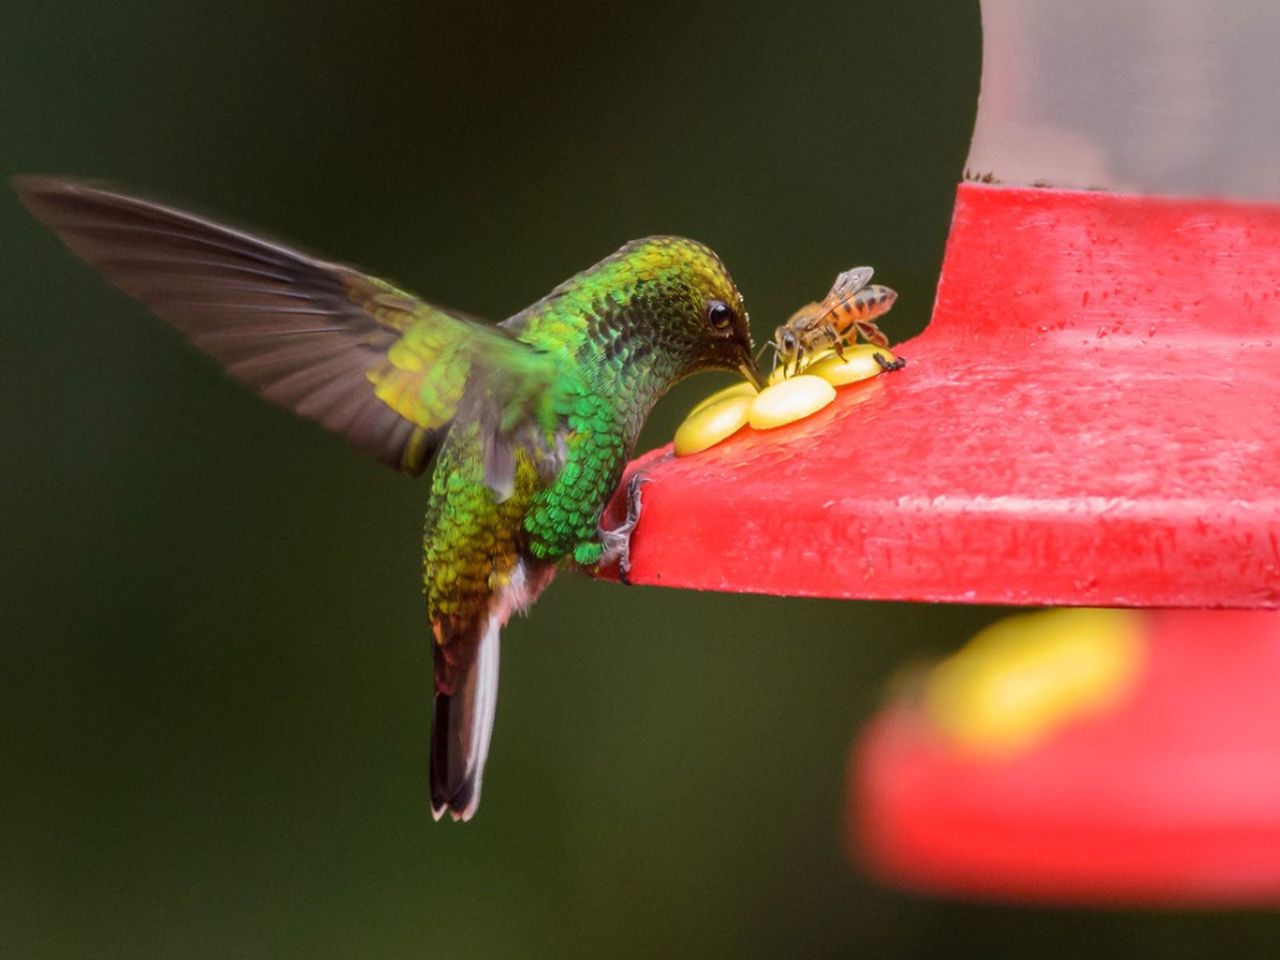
(850, 282)
(804, 317)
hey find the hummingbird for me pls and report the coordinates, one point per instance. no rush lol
(525, 426)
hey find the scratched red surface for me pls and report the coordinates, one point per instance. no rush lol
(1091, 417)
(1171, 798)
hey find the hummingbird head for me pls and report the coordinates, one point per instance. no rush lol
(684, 306)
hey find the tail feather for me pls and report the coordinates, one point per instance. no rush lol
(466, 657)
(466, 701)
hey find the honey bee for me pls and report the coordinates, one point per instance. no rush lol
(849, 309)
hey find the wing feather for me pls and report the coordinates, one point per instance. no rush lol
(347, 350)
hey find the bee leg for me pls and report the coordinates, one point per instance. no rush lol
(886, 366)
(833, 339)
(871, 333)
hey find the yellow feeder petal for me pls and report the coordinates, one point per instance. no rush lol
(709, 424)
(737, 390)
(859, 363)
(1026, 676)
(790, 400)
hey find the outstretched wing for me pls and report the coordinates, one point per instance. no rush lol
(347, 350)
(850, 282)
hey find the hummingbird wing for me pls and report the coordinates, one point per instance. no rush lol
(352, 352)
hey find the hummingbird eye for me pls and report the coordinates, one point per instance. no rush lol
(719, 315)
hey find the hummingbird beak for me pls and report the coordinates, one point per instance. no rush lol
(752, 373)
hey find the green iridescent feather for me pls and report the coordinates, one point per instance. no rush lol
(530, 423)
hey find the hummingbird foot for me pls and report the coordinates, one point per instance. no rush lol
(617, 542)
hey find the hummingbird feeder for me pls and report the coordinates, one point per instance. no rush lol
(1168, 793)
(1091, 418)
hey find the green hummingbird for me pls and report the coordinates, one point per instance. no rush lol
(526, 426)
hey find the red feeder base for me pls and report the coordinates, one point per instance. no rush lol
(1092, 417)
(1171, 798)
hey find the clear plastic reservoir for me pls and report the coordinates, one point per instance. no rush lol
(1178, 97)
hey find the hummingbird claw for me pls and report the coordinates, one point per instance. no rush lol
(617, 542)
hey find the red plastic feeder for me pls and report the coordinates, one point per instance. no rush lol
(1092, 417)
(1171, 797)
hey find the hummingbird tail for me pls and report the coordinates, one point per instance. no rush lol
(466, 701)
(466, 655)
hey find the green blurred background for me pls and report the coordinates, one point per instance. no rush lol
(214, 667)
